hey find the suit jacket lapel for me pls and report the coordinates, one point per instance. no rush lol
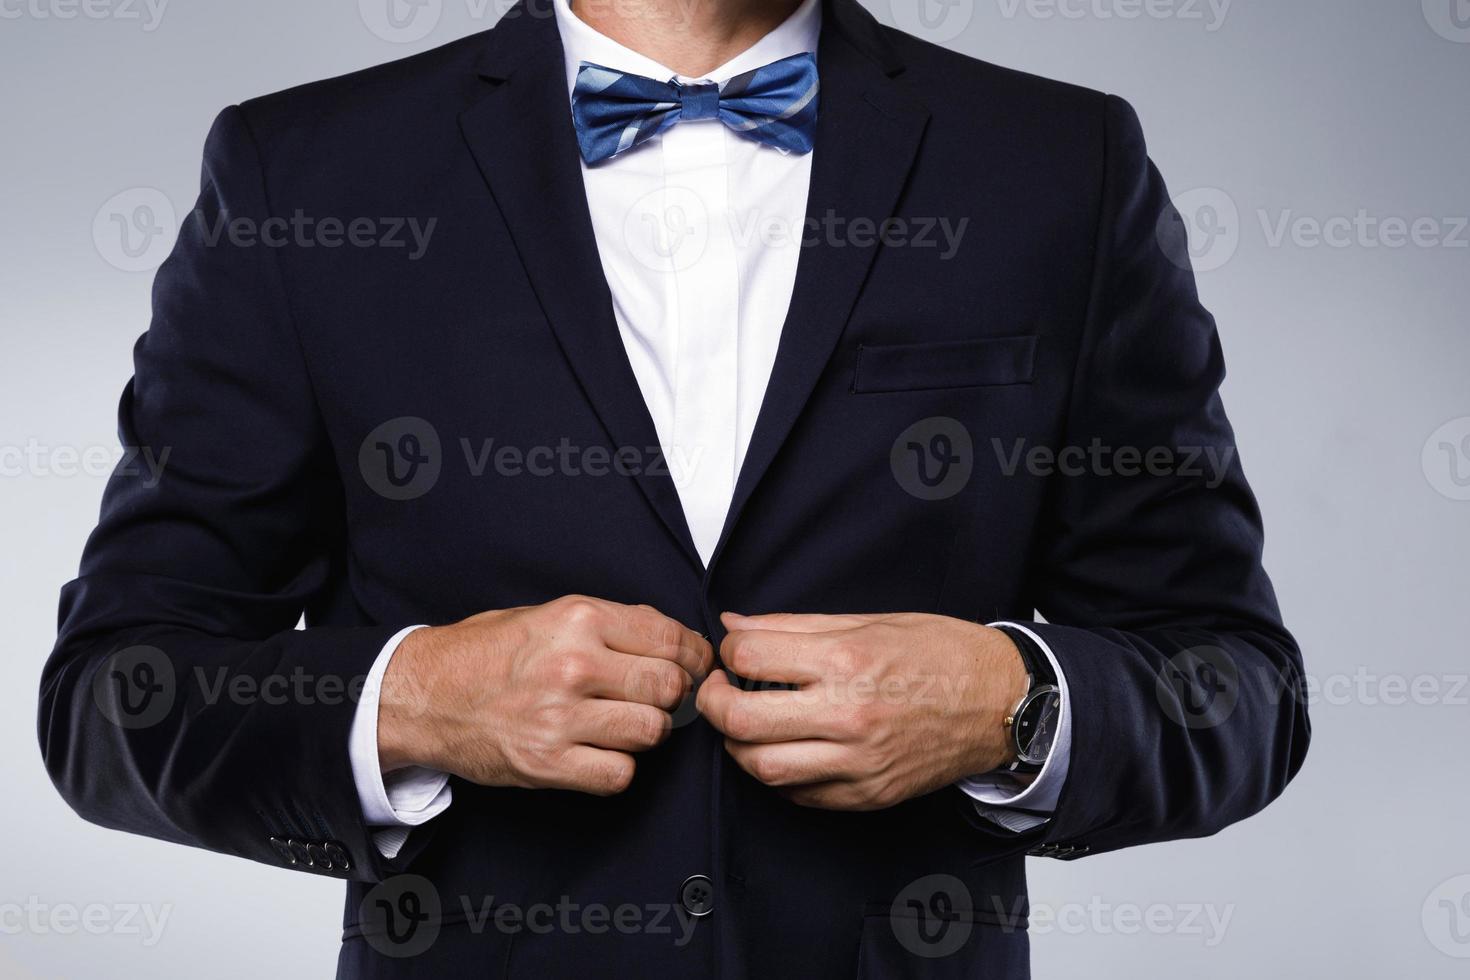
(868, 134)
(522, 137)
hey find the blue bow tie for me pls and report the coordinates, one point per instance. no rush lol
(775, 104)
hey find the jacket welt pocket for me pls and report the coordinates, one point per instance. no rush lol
(947, 364)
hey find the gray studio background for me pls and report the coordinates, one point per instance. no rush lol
(1321, 150)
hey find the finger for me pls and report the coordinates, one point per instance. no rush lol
(592, 770)
(621, 725)
(780, 657)
(646, 632)
(626, 677)
(797, 622)
(762, 716)
(791, 763)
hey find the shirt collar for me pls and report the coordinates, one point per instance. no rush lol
(795, 35)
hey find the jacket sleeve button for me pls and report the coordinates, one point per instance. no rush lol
(299, 852)
(337, 855)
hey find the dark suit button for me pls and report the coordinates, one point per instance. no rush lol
(338, 856)
(299, 852)
(283, 849)
(697, 895)
(318, 855)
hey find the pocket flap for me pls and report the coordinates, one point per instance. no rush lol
(947, 364)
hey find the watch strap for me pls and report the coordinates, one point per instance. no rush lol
(1038, 667)
(1037, 663)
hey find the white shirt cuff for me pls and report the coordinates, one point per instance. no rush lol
(1021, 803)
(402, 799)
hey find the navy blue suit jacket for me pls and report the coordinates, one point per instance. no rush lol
(281, 381)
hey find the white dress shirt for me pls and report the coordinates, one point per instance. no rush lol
(699, 231)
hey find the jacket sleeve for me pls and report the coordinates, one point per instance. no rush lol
(1185, 686)
(180, 702)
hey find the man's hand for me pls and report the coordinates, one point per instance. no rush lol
(556, 696)
(885, 707)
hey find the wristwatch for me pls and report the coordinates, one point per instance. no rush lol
(1032, 725)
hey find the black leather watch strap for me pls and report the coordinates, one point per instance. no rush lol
(1038, 665)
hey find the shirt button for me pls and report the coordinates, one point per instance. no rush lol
(697, 895)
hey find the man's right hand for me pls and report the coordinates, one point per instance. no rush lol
(556, 696)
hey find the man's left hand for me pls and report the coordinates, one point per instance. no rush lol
(872, 710)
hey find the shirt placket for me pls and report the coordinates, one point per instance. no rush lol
(705, 304)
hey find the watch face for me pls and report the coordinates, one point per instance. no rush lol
(1036, 725)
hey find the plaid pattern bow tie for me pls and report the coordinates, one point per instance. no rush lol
(775, 104)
